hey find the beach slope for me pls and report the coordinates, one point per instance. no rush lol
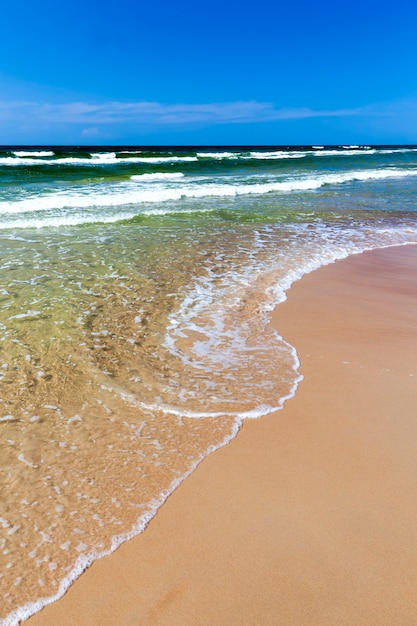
(309, 516)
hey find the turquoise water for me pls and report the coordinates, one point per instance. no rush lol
(135, 287)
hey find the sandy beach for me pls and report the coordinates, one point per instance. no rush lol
(309, 516)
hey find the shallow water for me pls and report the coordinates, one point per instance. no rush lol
(135, 289)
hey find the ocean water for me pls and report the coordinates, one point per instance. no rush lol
(136, 286)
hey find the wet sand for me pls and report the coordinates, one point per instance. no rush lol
(309, 516)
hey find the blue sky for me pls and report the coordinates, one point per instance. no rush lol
(224, 72)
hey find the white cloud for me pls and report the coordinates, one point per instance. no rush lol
(112, 113)
(35, 120)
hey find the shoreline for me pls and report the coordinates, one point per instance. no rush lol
(308, 516)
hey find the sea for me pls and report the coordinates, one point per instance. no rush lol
(136, 288)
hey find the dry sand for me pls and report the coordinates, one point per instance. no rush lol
(310, 515)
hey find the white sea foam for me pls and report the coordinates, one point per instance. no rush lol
(32, 157)
(279, 154)
(168, 159)
(345, 152)
(14, 161)
(28, 158)
(22, 459)
(98, 159)
(218, 155)
(156, 176)
(65, 220)
(256, 412)
(23, 315)
(34, 153)
(396, 150)
(364, 175)
(104, 156)
(126, 195)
